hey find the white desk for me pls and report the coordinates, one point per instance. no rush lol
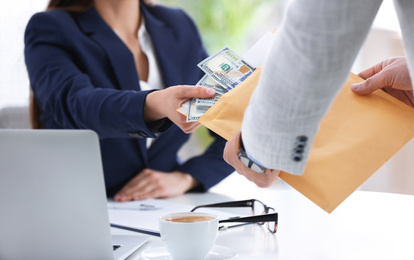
(368, 225)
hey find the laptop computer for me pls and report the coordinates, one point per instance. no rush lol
(52, 198)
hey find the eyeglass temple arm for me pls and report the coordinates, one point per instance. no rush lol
(258, 218)
(240, 203)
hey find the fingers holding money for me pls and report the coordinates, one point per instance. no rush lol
(185, 93)
(164, 103)
(224, 71)
(181, 122)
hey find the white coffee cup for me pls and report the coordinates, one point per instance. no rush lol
(188, 235)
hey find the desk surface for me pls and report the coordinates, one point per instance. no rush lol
(367, 225)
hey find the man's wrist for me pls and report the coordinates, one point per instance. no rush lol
(247, 160)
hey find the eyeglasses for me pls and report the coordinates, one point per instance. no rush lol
(261, 213)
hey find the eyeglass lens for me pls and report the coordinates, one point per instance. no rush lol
(258, 208)
(272, 225)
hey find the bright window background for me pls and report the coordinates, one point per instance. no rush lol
(14, 83)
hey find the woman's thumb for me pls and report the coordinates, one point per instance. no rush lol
(200, 92)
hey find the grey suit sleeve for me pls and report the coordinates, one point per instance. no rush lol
(308, 63)
(405, 11)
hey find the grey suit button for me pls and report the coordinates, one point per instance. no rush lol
(302, 138)
(299, 150)
(300, 145)
(297, 157)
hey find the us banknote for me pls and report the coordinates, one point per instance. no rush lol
(194, 113)
(227, 68)
(208, 82)
(224, 71)
(198, 106)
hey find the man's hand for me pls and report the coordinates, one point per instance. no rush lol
(164, 103)
(391, 76)
(262, 180)
(155, 184)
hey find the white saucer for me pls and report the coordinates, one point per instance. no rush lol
(216, 253)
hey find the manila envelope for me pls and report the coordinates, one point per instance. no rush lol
(355, 138)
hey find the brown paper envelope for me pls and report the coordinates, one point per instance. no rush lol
(356, 137)
(225, 117)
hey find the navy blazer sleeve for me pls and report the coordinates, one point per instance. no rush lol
(68, 91)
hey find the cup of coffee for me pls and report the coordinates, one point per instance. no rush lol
(188, 235)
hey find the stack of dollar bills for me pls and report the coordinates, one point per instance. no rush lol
(224, 71)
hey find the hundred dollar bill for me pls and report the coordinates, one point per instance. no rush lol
(209, 82)
(226, 68)
(205, 102)
(194, 113)
(184, 108)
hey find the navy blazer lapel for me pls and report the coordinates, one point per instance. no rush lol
(166, 47)
(119, 55)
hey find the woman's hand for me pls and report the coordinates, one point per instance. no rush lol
(164, 103)
(391, 76)
(155, 184)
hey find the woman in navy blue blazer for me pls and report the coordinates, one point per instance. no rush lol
(120, 68)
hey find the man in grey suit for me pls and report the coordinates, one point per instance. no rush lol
(308, 63)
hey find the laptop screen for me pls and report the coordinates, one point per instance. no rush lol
(52, 196)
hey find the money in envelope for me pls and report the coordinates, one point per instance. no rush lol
(224, 71)
(349, 146)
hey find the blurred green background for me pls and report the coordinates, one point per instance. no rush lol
(225, 22)
(236, 24)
